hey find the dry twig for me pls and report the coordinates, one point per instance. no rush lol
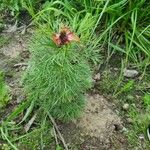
(28, 125)
(60, 135)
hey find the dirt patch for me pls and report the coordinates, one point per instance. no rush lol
(99, 128)
(10, 55)
(14, 48)
(98, 120)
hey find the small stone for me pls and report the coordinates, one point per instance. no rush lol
(97, 77)
(141, 137)
(130, 73)
(125, 106)
(124, 129)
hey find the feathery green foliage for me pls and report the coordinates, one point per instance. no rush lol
(57, 77)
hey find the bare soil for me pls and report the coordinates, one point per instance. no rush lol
(10, 55)
(99, 127)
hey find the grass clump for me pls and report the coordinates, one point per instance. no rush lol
(58, 77)
(3, 41)
(15, 7)
(140, 122)
(36, 139)
(4, 96)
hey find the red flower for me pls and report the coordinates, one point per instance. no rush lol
(64, 37)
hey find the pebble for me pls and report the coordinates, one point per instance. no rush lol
(141, 137)
(124, 129)
(130, 73)
(97, 77)
(125, 106)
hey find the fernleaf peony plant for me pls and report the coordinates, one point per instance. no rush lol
(58, 74)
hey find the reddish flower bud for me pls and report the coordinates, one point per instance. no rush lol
(64, 37)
